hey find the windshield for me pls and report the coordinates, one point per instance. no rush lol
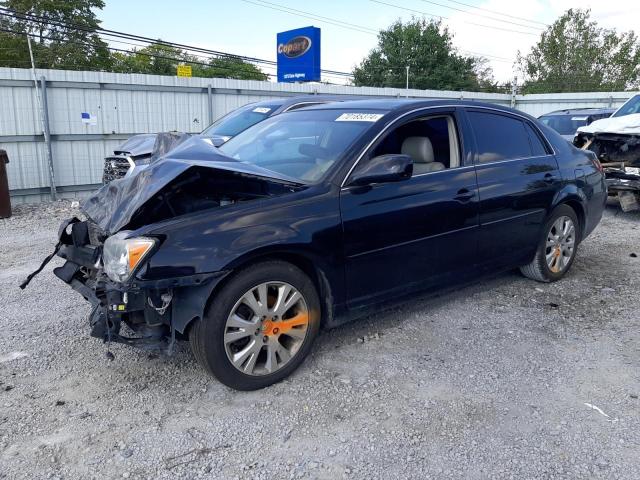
(565, 124)
(632, 106)
(239, 120)
(303, 144)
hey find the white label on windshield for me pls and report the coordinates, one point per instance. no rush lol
(578, 118)
(359, 117)
(262, 110)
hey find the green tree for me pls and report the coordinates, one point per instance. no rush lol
(56, 43)
(229, 67)
(156, 59)
(426, 48)
(161, 59)
(575, 55)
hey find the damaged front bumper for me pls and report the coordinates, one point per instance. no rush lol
(619, 155)
(155, 312)
(626, 186)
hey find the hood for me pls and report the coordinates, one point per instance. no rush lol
(113, 206)
(625, 125)
(138, 145)
(167, 141)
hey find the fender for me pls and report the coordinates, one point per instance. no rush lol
(570, 192)
(573, 196)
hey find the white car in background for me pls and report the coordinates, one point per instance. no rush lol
(616, 142)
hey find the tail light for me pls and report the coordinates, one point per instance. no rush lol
(596, 162)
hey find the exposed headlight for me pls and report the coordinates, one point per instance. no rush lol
(142, 160)
(121, 255)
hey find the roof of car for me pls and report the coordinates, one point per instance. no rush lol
(311, 98)
(580, 111)
(406, 104)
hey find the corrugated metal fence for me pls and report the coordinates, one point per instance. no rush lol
(117, 106)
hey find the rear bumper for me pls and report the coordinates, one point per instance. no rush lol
(154, 311)
(618, 181)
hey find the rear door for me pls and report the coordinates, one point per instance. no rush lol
(415, 233)
(518, 178)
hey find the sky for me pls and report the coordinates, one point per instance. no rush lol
(249, 27)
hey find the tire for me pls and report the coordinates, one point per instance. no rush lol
(539, 268)
(277, 342)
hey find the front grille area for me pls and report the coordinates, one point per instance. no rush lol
(115, 167)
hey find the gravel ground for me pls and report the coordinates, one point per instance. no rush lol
(491, 381)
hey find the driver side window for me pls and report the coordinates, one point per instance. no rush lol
(431, 142)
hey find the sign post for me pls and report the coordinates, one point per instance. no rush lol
(299, 55)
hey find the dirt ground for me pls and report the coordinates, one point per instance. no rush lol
(504, 379)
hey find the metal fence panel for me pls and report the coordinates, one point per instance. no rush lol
(121, 105)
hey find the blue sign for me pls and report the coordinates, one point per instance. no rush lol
(299, 55)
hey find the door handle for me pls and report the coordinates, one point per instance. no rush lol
(464, 195)
(549, 178)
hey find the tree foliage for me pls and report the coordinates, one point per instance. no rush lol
(426, 48)
(161, 59)
(575, 55)
(68, 40)
(56, 44)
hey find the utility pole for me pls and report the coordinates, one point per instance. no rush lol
(514, 91)
(407, 88)
(44, 122)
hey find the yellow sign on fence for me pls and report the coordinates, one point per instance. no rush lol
(184, 70)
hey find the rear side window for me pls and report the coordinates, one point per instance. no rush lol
(537, 146)
(499, 137)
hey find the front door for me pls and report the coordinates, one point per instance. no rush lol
(419, 232)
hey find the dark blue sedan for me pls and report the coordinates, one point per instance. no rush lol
(314, 217)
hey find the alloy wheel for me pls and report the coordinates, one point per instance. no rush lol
(266, 328)
(560, 246)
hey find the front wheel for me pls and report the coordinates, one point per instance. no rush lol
(259, 327)
(557, 247)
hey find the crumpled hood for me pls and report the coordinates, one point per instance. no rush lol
(138, 145)
(113, 205)
(626, 125)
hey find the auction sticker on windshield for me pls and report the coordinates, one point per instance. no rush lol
(359, 117)
(261, 110)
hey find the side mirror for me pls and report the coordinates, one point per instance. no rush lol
(218, 141)
(384, 169)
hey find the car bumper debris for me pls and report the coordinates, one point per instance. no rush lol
(619, 156)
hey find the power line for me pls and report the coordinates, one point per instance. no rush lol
(151, 55)
(217, 54)
(497, 13)
(346, 25)
(117, 34)
(420, 12)
(313, 16)
(481, 15)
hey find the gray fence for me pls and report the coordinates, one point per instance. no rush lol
(116, 106)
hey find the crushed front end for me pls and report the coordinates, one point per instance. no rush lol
(131, 222)
(619, 155)
(124, 309)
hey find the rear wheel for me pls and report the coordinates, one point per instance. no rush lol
(259, 327)
(557, 248)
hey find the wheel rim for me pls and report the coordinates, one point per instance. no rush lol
(561, 242)
(266, 328)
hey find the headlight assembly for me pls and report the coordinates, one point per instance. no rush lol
(121, 255)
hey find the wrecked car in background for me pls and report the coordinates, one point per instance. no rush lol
(141, 150)
(566, 122)
(318, 216)
(616, 142)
